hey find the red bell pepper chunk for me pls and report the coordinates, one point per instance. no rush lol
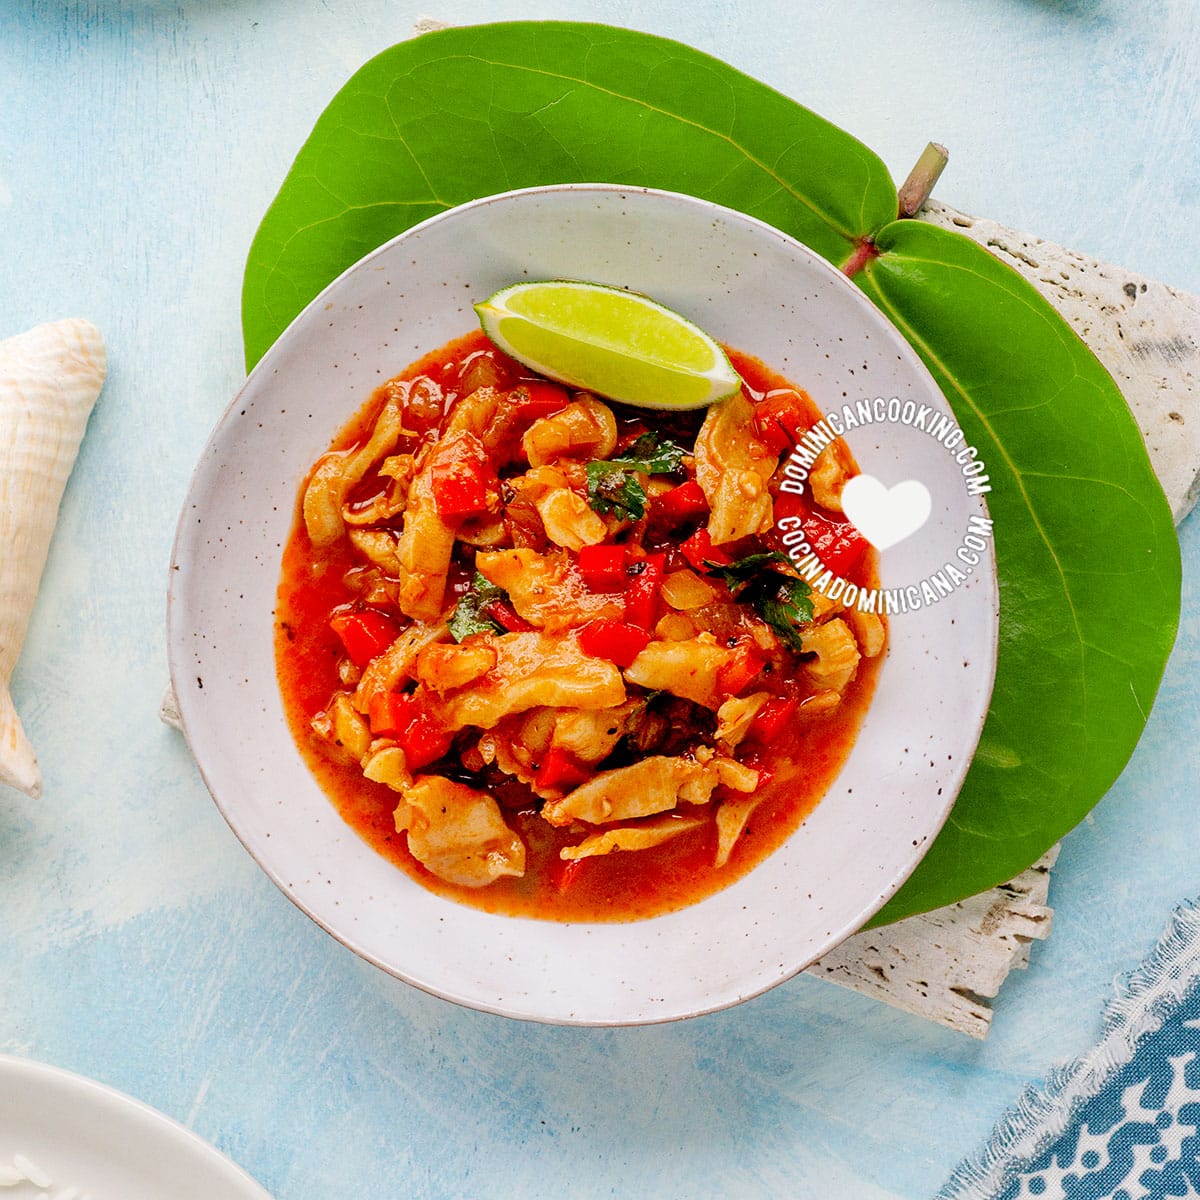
(618, 641)
(771, 720)
(603, 568)
(424, 741)
(780, 419)
(838, 544)
(699, 551)
(541, 399)
(365, 634)
(643, 589)
(682, 502)
(463, 479)
(390, 713)
(735, 675)
(560, 770)
(835, 541)
(503, 613)
(420, 735)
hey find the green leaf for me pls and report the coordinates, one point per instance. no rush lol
(613, 485)
(613, 489)
(653, 454)
(462, 113)
(745, 569)
(1087, 555)
(470, 613)
(1086, 551)
(778, 596)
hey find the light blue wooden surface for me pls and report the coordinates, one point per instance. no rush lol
(140, 142)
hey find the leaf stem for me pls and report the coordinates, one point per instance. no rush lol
(863, 252)
(922, 179)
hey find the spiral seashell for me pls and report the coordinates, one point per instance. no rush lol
(50, 378)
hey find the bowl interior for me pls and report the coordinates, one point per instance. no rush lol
(749, 286)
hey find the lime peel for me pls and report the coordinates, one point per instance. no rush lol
(618, 344)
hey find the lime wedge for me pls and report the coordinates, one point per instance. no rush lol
(614, 343)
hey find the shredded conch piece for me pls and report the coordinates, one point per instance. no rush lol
(458, 833)
(339, 471)
(50, 378)
(870, 631)
(652, 832)
(687, 668)
(395, 664)
(837, 655)
(736, 715)
(532, 670)
(733, 468)
(592, 735)
(424, 549)
(546, 589)
(829, 473)
(568, 520)
(653, 785)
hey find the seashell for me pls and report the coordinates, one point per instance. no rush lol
(50, 378)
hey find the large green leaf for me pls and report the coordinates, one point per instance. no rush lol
(1086, 552)
(464, 113)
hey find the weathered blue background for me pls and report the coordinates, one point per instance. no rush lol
(140, 142)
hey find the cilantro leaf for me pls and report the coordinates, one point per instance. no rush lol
(612, 489)
(469, 614)
(746, 570)
(653, 454)
(613, 484)
(781, 599)
(787, 609)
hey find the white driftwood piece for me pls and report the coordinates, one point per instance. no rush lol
(1146, 334)
(50, 378)
(946, 965)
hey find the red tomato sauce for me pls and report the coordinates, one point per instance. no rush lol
(623, 885)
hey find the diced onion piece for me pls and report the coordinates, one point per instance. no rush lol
(584, 429)
(685, 590)
(732, 816)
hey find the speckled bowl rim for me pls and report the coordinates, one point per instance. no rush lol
(539, 1004)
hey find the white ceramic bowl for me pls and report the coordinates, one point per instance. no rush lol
(750, 286)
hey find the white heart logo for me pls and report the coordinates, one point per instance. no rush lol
(886, 516)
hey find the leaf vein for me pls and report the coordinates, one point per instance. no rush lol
(699, 126)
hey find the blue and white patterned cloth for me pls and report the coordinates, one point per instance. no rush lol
(1123, 1122)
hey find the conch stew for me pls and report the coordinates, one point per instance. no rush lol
(546, 652)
